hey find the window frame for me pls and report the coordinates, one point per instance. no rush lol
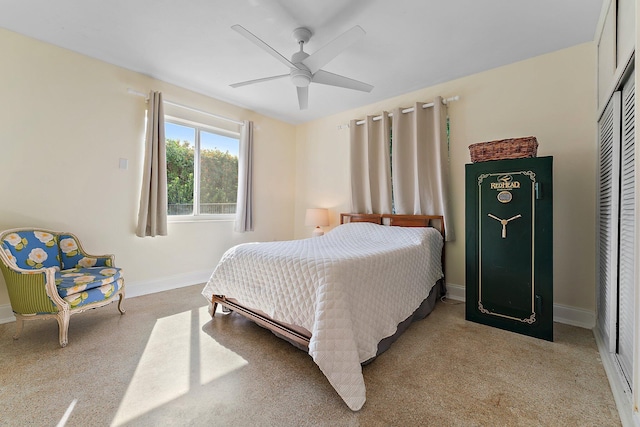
(196, 216)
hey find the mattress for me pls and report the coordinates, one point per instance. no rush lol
(350, 288)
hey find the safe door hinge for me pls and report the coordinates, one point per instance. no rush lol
(539, 304)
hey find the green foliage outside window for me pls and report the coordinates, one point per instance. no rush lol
(180, 157)
(218, 177)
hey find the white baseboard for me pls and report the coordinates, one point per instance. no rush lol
(619, 388)
(6, 314)
(455, 292)
(136, 289)
(573, 316)
(561, 313)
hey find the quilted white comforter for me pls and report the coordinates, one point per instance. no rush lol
(350, 288)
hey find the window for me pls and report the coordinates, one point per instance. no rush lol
(202, 169)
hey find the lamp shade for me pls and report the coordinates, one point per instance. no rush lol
(317, 217)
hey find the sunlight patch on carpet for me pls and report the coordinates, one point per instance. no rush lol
(178, 357)
(67, 413)
(215, 359)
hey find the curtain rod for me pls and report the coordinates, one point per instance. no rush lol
(406, 110)
(175, 104)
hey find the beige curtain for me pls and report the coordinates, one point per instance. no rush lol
(152, 215)
(420, 163)
(244, 207)
(370, 166)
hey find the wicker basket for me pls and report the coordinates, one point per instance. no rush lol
(514, 148)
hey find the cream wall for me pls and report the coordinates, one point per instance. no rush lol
(67, 120)
(552, 97)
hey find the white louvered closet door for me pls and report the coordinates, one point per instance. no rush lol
(607, 217)
(626, 273)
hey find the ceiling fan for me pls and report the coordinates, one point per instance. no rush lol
(304, 68)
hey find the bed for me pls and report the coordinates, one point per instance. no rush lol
(343, 297)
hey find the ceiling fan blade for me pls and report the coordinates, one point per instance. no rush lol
(303, 97)
(258, 42)
(321, 57)
(327, 78)
(264, 79)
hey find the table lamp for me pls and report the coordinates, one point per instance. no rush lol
(317, 217)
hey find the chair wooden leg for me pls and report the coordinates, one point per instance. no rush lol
(63, 327)
(212, 309)
(120, 308)
(19, 325)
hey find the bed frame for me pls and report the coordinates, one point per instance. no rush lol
(295, 335)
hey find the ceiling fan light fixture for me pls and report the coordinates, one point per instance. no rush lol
(300, 78)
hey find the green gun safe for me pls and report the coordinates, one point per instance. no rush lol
(509, 245)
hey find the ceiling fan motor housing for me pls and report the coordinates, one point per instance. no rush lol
(300, 78)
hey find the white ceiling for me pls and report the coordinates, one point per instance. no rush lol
(410, 44)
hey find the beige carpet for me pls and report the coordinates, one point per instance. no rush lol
(166, 363)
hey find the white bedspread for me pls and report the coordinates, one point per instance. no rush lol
(350, 288)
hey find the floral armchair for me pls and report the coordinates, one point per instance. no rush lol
(49, 275)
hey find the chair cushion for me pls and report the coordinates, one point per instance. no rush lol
(77, 280)
(32, 249)
(94, 295)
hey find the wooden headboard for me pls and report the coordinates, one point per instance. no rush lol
(435, 221)
(358, 217)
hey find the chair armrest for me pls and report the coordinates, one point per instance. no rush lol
(19, 270)
(73, 254)
(107, 260)
(32, 291)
